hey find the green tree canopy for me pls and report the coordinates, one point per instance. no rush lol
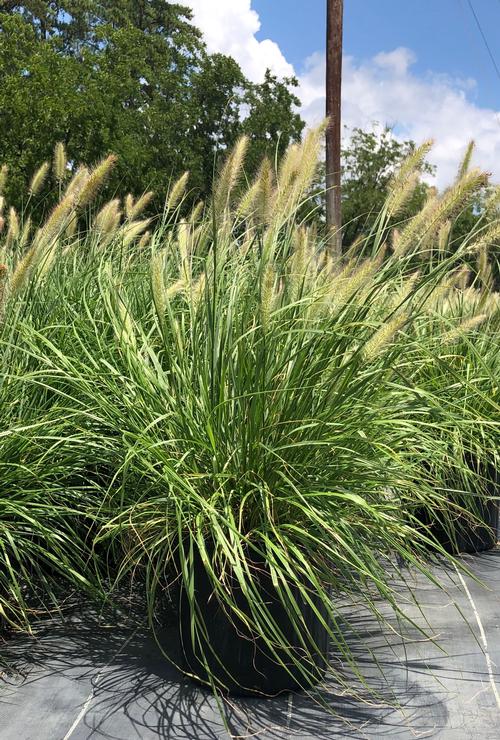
(132, 77)
(368, 163)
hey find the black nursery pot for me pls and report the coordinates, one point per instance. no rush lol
(238, 660)
(469, 537)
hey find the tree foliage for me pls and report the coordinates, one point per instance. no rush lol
(132, 77)
(368, 163)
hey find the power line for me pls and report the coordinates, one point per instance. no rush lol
(485, 40)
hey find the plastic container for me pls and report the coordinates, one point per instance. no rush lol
(477, 535)
(242, 663)
(468, 537)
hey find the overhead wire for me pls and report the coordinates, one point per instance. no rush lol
(483, 36)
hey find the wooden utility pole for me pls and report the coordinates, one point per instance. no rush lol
(334, 28)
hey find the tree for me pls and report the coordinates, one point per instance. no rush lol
(272, 121)
(43, 97)
(132, 77)
(77, 23)
(369, 159)
(368, 163)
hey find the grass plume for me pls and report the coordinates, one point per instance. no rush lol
(60, 163)
(38, 179)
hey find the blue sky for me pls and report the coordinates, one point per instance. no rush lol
(420, 66)
(442, 33)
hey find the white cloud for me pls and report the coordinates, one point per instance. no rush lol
(396, 62)
(385, 90)
(230, 27)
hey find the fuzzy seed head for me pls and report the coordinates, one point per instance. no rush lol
(461, 277)
(38, 179)
(107, 219)
(412, 164)
(196, 213)
(177, 192)
(460, 194)
(183, 243)
(144, 240)
(444, 235)
(23, 269)
(439, 294)
(409, 237)
(3, 287)
(126, 327)
(77, 182)
(230, 174)
(404, 182)
(197, 290)
(25, 233)
(60, 162)
(299, 263)
(72, 226)
(493, 200)
(384, 336)
(488, 237)
(4, 171)
(265, 198)
(175, 288)
(465, 163)
(96, 180)
(463, 328)
(58, 220)
(129, 204)
(246, 206)
(482, 259)
(484, 269)
(289, 167)
(438, 210)
(296, 176)
(13, 230)
(351, 281)
(140, 204)
(401, 194)
(130, 231)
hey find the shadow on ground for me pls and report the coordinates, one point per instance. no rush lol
(90, 677)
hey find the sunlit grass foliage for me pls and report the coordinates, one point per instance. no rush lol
(215, 388)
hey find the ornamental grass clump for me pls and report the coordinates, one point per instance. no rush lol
(452, 359)
(49, 502)
(45, 496)
(44, 522)
(69, 223)
(250, 390)
(455, 359)
(452, 362)
(248, 420)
